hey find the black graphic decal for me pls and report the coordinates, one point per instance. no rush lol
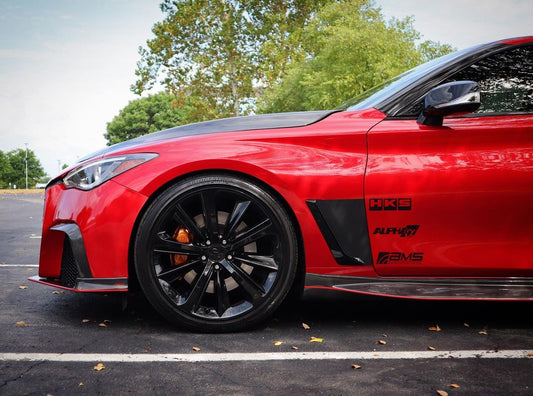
(389, 204)
(407, 231)
(390, 257)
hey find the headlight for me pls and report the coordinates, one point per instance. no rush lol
(92, 174)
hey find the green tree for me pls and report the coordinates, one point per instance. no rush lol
(145, 115)
(221, 51)
(347, 48)
(17, 176)
(431, 50)
(5, 170)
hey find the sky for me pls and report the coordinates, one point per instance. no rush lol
(66, 66)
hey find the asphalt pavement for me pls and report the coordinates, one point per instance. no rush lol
(52, 342)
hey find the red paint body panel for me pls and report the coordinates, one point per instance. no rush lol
(325, 160)
(471, 186)
(518, 40)
(105, 217)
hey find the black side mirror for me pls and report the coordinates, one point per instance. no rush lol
(458, 97)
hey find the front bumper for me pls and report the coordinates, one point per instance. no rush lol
(86, 237)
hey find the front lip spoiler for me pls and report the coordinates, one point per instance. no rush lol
(84, 285)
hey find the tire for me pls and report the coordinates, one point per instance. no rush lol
(215, 253)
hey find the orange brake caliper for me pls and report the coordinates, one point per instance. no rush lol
(181, 235)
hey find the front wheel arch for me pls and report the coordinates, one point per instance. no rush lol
(299, 281)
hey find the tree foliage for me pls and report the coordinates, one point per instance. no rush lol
(13, 169)
(220, 51)
(347, 48)
(231, 57)
(148, 114)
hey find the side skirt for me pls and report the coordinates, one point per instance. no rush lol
(428, 288)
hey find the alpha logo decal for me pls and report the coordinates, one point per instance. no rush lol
(389, 204)
(407, 231)
(399, 257)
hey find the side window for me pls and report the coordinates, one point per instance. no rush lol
(505, 80)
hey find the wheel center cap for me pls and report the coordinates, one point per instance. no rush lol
(217, 253)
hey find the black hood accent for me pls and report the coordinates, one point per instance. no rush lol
(234, 124)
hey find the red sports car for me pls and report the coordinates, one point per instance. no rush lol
(419, 188)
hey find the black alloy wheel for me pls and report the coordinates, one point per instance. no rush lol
(215, 253)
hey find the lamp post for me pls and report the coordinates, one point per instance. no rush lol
(26, 160)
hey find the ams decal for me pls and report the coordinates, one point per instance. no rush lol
(389, 204)
(407, 231)
(399, 257)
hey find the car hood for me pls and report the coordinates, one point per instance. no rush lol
(234, 124)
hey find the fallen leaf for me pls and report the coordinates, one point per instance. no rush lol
(434, 328)
(86, 320)
(99, 367)
(294, 347)
(442, 393)
(278, 343)
(356, 366)
(382, 342)
(196, 349)
(384, 335)
(432, 348)
(81, 384)
(316, 339)
(23, 287)
(530, 354)
(466, 325)
(20, 324)
(455, 386)
(483, 332)
(58, 292)
(107, 321)
(102, 325)
(306, 326)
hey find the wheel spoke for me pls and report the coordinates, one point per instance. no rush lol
(258, 261)
(198, 289)
(223, 301)
(244, 280)
(210, 213)
(235, 218)
(251, 235)
(185, 220)
(175, 273)
(164, 244)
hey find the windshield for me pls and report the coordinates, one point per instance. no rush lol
(375, 95)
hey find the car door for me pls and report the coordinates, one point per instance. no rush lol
(457, 199)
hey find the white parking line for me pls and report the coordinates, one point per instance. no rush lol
(19, 265)
(246, 357)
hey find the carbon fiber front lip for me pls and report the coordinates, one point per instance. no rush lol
(87, 284)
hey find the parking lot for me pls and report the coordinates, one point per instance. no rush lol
(64, 343)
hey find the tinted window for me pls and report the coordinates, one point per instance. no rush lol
(505, 81)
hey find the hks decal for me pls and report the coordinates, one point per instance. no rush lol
(407, 231)
(399, 257)
(389, 204)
